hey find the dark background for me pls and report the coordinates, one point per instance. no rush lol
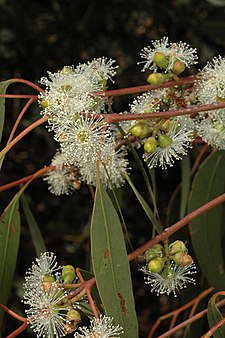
(37, 36)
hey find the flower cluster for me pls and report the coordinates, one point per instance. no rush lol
(75, 116)
(100, 328)
(168, 273)
(49, 315)
(168, 56)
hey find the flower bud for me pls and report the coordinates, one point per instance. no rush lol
(160, 60)
(155, 79)
(155, 251)
(44, 104)
(140, 130)
(164, 140)
(181, 258)
(178, 67)
(68, 273)
(177, 246)
(150, 145)
(156, 264)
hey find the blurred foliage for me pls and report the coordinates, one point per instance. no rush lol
(40, 36)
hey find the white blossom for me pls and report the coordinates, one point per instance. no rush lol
(100, 328)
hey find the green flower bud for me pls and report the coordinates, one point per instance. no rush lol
(44, 104)
(103, 83)
(156, 79)
(164, 140)
(68, 273)
(150, 145)
(160, 60)
(178, 67)
(66, 70)
(166, 125)
(182, 258)
(177, 246)
(155, 251)
(156, 264)
(140, 130)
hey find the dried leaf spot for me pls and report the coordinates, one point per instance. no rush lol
(106, 253)
(13, 228)
(122, 303)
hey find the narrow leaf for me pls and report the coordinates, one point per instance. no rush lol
(206, 230)
(9, 243)
(214, 316)
(110, 264)
(33, 227)
(145, 207)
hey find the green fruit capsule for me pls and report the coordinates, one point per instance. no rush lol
(44, 104)
(181, 258)
(160, 60)
(140, 130)
(66, 70)
(178, 67)
(177, 246)
(150, 145)
(68, 273)
(155, 79)
(164, 140)
(156, 264)
(153, 252)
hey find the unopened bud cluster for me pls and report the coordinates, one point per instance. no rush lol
(157, 259)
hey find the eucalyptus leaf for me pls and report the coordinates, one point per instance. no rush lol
(206, 230)
(214, 316)
(110, 264)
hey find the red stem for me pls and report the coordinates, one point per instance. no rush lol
(28, 83)
(19, 96)
(20, 329)
(178, 225)
(145, 88)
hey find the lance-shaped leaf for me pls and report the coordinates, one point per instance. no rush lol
(110, 264)
(214, 316)
(207, 230)
(3, 87)
(9, 243)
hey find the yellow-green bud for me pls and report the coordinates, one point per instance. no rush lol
(160, 60)
(165, 125)
(164, 140)
(103, 83)
(156, 264)
(155, 79)
(181, 258)
(178, 67)
(177, 246)
(66, 70)
(66, 87)
(220, 99)
(150, 145)
(155, 251)
(68, 273)
(140, 130)
(44, 104)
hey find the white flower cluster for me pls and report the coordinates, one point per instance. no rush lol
(100, 328)
(172, 51)
(74, 114)
(47, 313)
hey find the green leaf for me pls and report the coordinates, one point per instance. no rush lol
(33, 227)
(110, 264)
(145, 207)
(214, 316)
(206, 230)
(3, 87)
(185, 184)
(9, 243)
